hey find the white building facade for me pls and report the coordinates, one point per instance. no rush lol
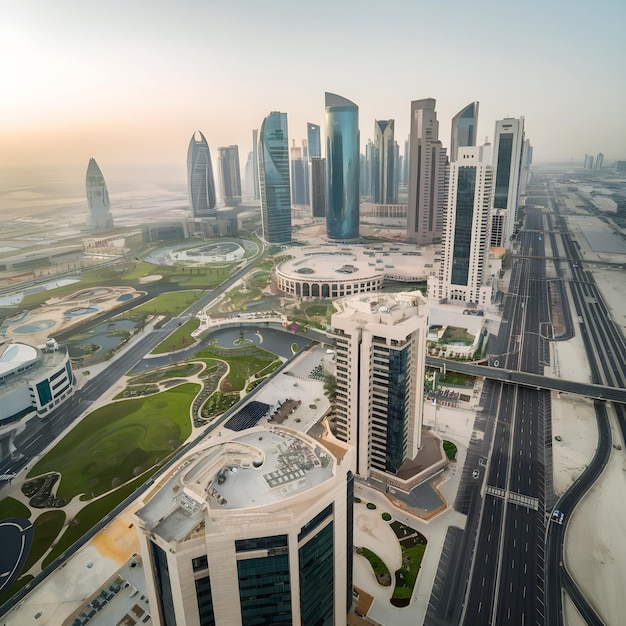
(465, 240)
(380, 360)
(255, 529)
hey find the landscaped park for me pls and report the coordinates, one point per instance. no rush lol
(412, 545)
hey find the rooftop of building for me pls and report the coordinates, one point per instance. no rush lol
(358, 263)
(257, 468)
(14, 356)
(382, 308)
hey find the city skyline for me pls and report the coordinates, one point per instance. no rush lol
(136, 96)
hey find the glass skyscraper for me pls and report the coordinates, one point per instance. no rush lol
(313, 140)
(273, 151)
(200, 181)
(385, 183)
(98, 198)
(230, 174)
(342, 169)
(464, 125)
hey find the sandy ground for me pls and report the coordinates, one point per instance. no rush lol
(70, 585)
(595, 550)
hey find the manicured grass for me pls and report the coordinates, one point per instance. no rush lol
(381, 571)
(242, 366)
(89, 515)
(46, 527)
(171, 303)
(218, 402)
(14, 588)
(10, 507)
(386, 516)
(176, 371)
(116, 442)
(371, 505)
(456, 378)
(407, 574)
(180, 338)
(450, 449)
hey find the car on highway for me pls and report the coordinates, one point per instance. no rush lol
(475, 474)
(557, 516)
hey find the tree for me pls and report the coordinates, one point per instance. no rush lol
(330, 386)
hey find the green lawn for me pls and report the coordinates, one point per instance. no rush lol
(381, 571)
(118, 441)
(180, 338)
(10, 507)
(171, 303)
(450, 449)
(47, 526)
(89, 515)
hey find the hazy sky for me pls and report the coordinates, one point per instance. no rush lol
(129, 81)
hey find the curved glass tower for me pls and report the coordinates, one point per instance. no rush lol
(98, 198)
(273, 154)
(464, 125)
(200, 181)
(342, 169)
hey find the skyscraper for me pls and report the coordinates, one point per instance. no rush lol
(380, 355)
(200, 183)
(385, 183)
(255, 162)
(599, 160)
(230, 175)
(342, 169)
(317, 168)
(273, 151)
(527, 159)
(427, 174)
(465, 241)
(313, 140)
(100, 216)
(254, 528)
(299, 176)
(507, 158)
(464, 126)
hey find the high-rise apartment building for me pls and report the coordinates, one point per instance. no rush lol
(427, 175)
(273, 151)
(380, 356)
(465, 239)
(313, 140)
(317, 186)
(385, 182)
(230, 175)
(342, 169)
(588, 162)
(299, 176)
(507, 161)
(200, 183)
(527, 159)
(464, 127)
(255, 162)
(100, 216)
(252, 528)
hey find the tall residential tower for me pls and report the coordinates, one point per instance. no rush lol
(427, 175)
(342, 169)
(200, 183)
(273, 151)
(465, 240)
(380, 356)
(507, 160)
(230, 175)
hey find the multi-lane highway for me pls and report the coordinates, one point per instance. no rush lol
(515, 572)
